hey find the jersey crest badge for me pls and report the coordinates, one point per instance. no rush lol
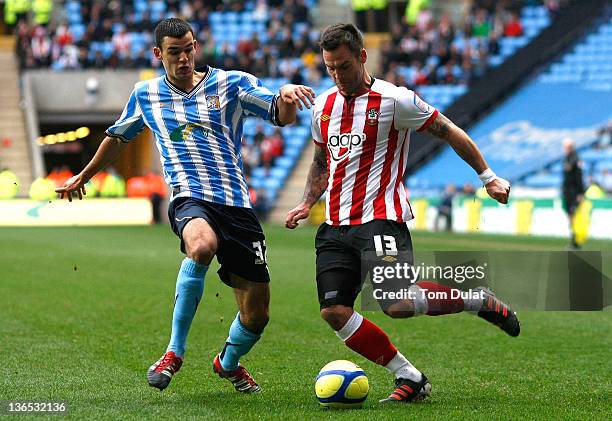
(372, 117)
(213, 102)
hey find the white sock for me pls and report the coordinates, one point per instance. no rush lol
(402, 368)
(350, 327)
(419, 300)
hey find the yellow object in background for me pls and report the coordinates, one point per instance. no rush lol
(112, 186)
(473, 208)
(420, 214)
(581, 221)
(413, 8)
(9, 184)
(42, 189)
(317, 213)
(147, 74)
(524, 214)
(594, 192)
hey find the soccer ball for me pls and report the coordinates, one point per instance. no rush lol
(341, 384)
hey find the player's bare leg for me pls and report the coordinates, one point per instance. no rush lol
(253, 300)
(367, 339)
(482, 302)
(201, 244)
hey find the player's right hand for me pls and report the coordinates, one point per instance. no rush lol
(75, 183)
(300, 95)
(499, 189)
(301, 211)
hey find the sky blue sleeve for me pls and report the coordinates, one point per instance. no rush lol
(131, 122)
(256, 99)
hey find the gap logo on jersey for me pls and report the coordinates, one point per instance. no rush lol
(340, 145)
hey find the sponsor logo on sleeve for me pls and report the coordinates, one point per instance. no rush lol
(421, 105)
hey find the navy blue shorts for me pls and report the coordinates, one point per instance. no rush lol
(242, 244)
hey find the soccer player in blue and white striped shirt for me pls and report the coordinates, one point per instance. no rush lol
(197, 119)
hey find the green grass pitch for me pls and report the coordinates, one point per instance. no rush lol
(85, 311)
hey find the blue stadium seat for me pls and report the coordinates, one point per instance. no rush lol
(285, 162)
(256, 182)
(215, 18)
(246, 17)
(73, 7)
(271, 183)
(77, 30)
(74, 17)
(279, 172)
(140, 6)
(231, 17)
(293, 153)
(259, 172)
(543, 180)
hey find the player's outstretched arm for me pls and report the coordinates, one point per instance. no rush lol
(292, 97)
(316, 184)
(108, 150)
(465, 147)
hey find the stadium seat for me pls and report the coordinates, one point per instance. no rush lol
(285, 162)
(279, 172)
(259, 172)
(256, 182)
(272, 183)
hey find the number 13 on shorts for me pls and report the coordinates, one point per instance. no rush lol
(385, 245)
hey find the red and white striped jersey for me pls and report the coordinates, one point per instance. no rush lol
(366, 142)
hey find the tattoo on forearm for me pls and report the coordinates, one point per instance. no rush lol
(459, 140)
(317, 178)
(440, 126)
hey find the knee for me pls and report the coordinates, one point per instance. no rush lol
(202, 250)
(336, 316)
(255, 321)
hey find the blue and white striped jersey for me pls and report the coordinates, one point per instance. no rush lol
(198, 134)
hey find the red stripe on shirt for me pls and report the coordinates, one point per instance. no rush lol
(429, 121)
(366, 159)
(380, 204)
(334, 194)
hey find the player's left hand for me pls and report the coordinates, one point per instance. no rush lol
(300, 95)
(499, 189)
(301, 211)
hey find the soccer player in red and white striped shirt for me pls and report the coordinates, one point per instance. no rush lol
(361, 129)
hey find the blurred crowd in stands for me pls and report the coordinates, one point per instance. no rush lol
(263, 151)
(118, 34)
(423, 50)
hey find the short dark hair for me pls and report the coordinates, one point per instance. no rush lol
(340, 34)
(171, 27)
